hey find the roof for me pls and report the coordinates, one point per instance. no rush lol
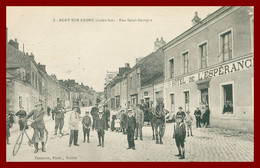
(156, 79)
(197, 26)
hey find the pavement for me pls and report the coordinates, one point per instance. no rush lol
(207, 145)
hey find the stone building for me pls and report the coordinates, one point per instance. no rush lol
(144, 70)
(212, 63)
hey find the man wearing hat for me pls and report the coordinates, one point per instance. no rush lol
(180, 134)
(182, 113)
(100, 126)
(38, 125)
(94, 113)
(130, 129)
(59, 116)
(86, 122)
(74, 119)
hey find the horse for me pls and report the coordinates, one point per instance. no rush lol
(157, 118)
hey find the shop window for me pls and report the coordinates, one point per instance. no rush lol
(186, 100)
(171, 68)
(228, 99)
(226, 46)
(185, 62)
(203, 56)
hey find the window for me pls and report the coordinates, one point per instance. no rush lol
(172, 102)
(228, 99)
(203, 55)
(185, 62)
(226, 46)
(252, 33)
(186, 100)
(131, 82)
(145, 93)
(171, 68)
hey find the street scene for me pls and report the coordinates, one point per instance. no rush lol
(205, 145)
(126, 84)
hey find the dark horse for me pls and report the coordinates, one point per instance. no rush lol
(157, 119)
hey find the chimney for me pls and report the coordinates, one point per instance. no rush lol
(31, 56)
(195, 19)
(127, 65)
(158, 44)
(14, 43)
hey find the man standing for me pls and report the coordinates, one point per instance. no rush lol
(38, 125)
(130, 128)
(94, 113)
(139, 116)
(59, 117)
(21, 114)
(100, 126)
(107, 116)
(197, 114)
(182, 113)
(206, 116)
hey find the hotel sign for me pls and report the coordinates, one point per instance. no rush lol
(221, 70)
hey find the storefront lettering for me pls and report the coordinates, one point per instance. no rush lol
(218, 71)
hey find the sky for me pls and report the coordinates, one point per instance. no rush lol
(83, 43)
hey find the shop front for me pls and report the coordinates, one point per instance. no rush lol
(226, 88)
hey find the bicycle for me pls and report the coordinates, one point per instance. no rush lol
(30, 141)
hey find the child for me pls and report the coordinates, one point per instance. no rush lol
(86, 122)
(179, 134)
(188, 121)
(117, 124)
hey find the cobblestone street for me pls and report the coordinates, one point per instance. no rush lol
(207, 144)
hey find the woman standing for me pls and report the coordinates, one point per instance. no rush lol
(74, 125)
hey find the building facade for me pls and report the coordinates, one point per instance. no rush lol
(212, 63)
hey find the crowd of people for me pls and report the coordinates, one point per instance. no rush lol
(126, 121)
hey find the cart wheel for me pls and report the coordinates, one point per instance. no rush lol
(18, 144)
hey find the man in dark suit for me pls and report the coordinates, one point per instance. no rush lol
(197, 114)
(107, 116)
(59, 117)
(38, 125)
(94, 113)
(100, 126)
(130, 128)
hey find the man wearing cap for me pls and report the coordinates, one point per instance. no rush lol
(107, 116)
(100, 126)
(59, 117)
(130, 129)
(182, 113)
(21, 114)
(94, 113)
(86, 122)
(38, 125)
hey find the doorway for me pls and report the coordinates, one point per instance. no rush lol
(204, 96)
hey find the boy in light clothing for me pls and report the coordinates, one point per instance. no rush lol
(188, 120)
